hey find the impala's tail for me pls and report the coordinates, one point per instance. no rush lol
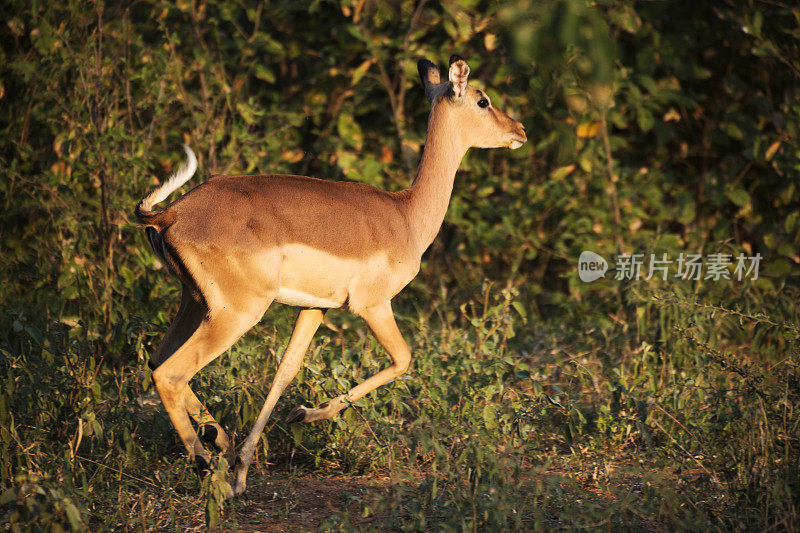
(144, 209)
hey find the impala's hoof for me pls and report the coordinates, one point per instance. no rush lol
(298, 414)
(237, 489)
(238, 486)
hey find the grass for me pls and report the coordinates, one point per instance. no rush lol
(690, 422)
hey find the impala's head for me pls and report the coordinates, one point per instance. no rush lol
(482, 124)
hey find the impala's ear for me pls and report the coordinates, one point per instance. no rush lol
(430, 77)
(459, 75)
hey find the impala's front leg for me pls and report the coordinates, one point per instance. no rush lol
(307, 323)
(380, 320)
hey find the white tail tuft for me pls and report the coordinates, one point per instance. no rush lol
(178, 178)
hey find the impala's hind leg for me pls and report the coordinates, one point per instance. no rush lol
(190, 314)
(380, 320)
(307, 323)
(222, 326)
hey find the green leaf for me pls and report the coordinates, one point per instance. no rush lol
(733, 131)
(128, 276)
(791, 223)
(212, 513)
(263, 73)
(520, 309)
(360, 71)
(248, 112)
(739, 197)
(645, 119)
(73, 515)
(490, 416)
(562, 172)
(35, 334)
(297, 434)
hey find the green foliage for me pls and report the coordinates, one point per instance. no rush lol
(655, 127)
(33, 507)
(216, 490)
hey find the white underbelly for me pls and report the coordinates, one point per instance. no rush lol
(302, 299)
(315, 278)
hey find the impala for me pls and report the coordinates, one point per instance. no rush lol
(239, 243)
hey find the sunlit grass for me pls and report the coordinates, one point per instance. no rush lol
(500, 424)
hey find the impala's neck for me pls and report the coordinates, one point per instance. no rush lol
(429, 195)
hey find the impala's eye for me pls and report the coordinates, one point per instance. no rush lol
(483, 102)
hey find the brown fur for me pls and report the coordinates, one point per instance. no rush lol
(273, 210)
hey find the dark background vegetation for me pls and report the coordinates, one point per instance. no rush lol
(535, 400)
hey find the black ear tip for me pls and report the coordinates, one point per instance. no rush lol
(423, 65)
(454, 58)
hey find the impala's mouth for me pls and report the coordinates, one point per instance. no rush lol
(517, 141)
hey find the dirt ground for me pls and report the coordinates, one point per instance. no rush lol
(280, 502)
